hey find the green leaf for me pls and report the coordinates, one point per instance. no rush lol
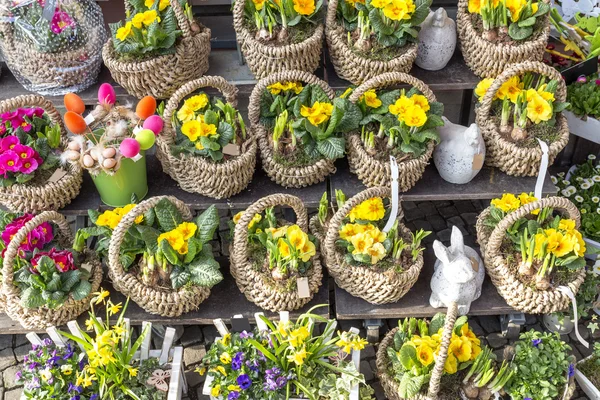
(408, 356)
(205, 272)
(378, 24)
(69, 279)
(336, 116)
(459, 323)
(168, 215)
(527, 22)
(169, 253)
(149, 236)
(332, 147)
(421, 12)
(31, 298)
(518, 33)
(179, 277)
(207, 222)
(225, 133)
(543, 8)
(318, 94)
(437, 323)
(411, 385)
(352, 115)
(81, 290)
(193, 247)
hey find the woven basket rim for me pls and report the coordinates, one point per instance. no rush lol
(354, 141)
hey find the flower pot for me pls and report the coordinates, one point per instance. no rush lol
(553, 323)
(585, 384)
(587, 129)
(116, 190)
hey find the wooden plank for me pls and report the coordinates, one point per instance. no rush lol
(416, 302)
(489, 183)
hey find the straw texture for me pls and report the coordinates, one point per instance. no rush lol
(351, 66)
(508, 156)
(197, 174)
(391, 387)
(253, 283)
(295, 177)
(36, 195)
(365, 282)
(44, 317)
(517, 294)
(373, 172)
(160, 76)
(487, 59)
(167, 302)
(264, 60)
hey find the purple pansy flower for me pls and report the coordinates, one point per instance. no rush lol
(536, 342)
(237, 361)
(246, 335)
(244, 381)
(233, 395)
(571, 370)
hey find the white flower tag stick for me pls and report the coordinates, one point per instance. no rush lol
(395, 200)
(539, 184)
(567, 290)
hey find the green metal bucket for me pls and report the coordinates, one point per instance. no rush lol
(116, 190)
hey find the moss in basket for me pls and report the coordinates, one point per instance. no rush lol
(304, 124)
(591, 367)
(399, 123)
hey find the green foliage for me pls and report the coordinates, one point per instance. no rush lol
(270, 17)
(584, 98)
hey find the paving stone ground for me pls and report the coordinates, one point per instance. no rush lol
(436, 216)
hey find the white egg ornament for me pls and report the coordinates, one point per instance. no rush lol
(88, 161)
(145, 138)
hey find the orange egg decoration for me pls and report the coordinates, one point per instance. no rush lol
(74, 103)
(146, 107)
(75, 123)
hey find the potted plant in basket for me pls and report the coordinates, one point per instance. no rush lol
(112, 146)
(157, 252)
(587, 373)
(205, 146)
(368, 38)
(299, 126)
(53, 47)
(521, 106)
(158, 48)
(528, 245)
(279, 35)
(32, 140)
(395, 123)
(584, 111)
(495, 34)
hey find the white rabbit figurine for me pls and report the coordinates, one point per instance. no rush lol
(458, 274)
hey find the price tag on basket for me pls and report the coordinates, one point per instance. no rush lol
(395, 195)
(539, 184)
(303, 288)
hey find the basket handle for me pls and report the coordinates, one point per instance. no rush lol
(289, 75)
(114, 264)
(440, 362)
(497, 236)
(240, 237)
(520, 69)
(335, 223)
(390, 79)
(238, 15)
(32, 100)
(182, 20)
(330, 19)
(228, 90)
(21, 235)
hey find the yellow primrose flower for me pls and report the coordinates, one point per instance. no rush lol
(564, 245)
(421, 101)
(578, 243)
(567, 225)
(174, 238)
(510, 89)
(259, 4)
(377, 252)
(451, 365)
(465, 331)
(349, 230)
(296, 237)
(138, 20)
(424, 341)
(114, 308)
(148, 17)
(283, 248)
(425, 355)
(185, 114)
(236, 217)
(276, 233)
(225, 358)
(482, 87)
(187, 229)
(372, 209)
(109, 218)
(275, 88)
(130, 207)
(400, 106)
(298, 357)
(539, 110)
(124, 32)
(100, 296)
(377, 235)
(215, 391)
(192, 130)
(256, 219)
(162, 4)
(304, 7)
(197, 102)
(370, 99)
(198, 146)
(415, 117)
(361, 243)
(475, 6)
(308, 251)
(507, 203)
(461, 348)
(542, 91)
(298, 336)
(380, 3)
(397, 10)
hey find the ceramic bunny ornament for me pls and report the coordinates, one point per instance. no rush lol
(437, 41)
(460, 154)
(458, 274)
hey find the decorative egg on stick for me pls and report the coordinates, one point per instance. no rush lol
(154, 123)
(130, 147)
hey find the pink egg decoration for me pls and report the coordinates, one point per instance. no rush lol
(106, 94)
(129, 148)
(154, 123)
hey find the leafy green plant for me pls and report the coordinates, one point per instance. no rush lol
(584, 98)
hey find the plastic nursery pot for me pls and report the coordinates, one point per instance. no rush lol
(116, 190)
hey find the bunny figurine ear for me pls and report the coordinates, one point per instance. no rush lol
(441, 252)
(457, 241)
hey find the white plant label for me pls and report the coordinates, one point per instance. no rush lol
(395, 195)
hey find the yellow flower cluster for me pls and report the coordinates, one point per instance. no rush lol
(162, 4)
(515, 7)
(318, 113)
(395, 10)
(301, 246)
(285, 86)
(139, 20)
(111, 218)
(370, 98)
(296, 338)
(366, 239)
(256, 219)
(191, 107)
(509, 202)
(179, 237)
(411, 110)
(353, 2)
(195, 129)
(304, 7)
(369, 210)
(561, 241)
(350, 341)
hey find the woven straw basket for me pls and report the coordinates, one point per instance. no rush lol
(264, 60)
(197, 174)
(504, 154)
(487, 59)
(295, 177)
(374, 172)
(36, 196)
(252, 282)
(166, 302)
(518, 295)
(364, 282)
(44, 317)
(351, 66)
(161, 76)
(58, 72)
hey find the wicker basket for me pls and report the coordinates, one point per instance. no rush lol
(487, 59)
(250, 281)
(368, 284)
(44, 317)
(518, 295)
(374, 172)
(61, 72)
(295, 177)
(504, 154)
(352, 67)
(196, 174)
(161, 76)
(264, 60)
(166, 302)
(36, 196)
